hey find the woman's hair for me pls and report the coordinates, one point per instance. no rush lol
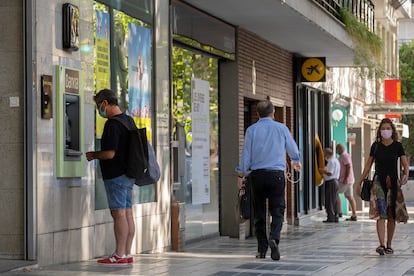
(264, 108)
(394, 136)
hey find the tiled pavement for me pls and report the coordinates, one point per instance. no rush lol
(313, 248)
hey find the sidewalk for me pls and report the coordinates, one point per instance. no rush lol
(313, 248)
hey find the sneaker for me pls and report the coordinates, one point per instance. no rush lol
(352, 218)
(114, 259)
(340, 215)
(129, 258)
(275, 255)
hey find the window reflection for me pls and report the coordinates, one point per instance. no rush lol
(123, 50)
(201, 219)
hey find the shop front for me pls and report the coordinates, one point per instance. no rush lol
(73, 51)
(197, 53)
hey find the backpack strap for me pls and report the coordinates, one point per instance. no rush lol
(116, 118)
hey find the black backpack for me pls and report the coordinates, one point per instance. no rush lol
(142, 164)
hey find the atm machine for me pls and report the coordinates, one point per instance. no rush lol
(70, 157)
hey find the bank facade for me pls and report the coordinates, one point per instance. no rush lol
(188, 74)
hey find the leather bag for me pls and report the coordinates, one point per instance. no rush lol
(366, 190)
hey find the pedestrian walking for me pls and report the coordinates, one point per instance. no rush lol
(113, 160)
(346, 181)
(330, 177)
(385, 151)
(264, 160)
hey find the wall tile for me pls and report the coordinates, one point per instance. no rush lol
(45, 249)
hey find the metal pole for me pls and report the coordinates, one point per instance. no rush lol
(30, 252)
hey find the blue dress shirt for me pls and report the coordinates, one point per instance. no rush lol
(265, 147)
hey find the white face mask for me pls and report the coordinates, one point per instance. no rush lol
(386, 133)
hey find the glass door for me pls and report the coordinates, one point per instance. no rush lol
(195, 164)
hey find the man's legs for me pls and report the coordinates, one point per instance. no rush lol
(275, 187)
(124, 229)
(121, 231)
(352, 202)
(342, 188)
(276, 190)
(331, 193)
(338, 200)
(334, 197)
(349, 194)
(131, 230)
(328, 201)
(119, 195)
(259, 205)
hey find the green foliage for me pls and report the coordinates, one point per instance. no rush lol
(185, 66)
(407, 71)
(407, 90)
(367, 46)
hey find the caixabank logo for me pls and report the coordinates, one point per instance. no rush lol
(312, 69)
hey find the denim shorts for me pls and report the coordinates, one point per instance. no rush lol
(119, 192)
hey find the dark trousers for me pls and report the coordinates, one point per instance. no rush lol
(331, 204)
(269, 185)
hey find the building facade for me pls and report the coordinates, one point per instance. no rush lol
(59, 214)
(191, 72)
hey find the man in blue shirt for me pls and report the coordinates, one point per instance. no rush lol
(264, 160)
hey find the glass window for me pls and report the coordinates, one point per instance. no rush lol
(123, 62)
(196, 169)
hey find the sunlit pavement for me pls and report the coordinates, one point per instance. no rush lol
(313, 248)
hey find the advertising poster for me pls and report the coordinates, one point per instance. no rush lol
(139, 75)
(102, 69)
(200, 107)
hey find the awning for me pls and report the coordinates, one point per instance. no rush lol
(390, 108)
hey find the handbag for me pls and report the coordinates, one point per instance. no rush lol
(243, 205)
(366, 190)
(367, 184)
(401, 214)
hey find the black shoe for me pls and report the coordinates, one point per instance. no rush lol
(330, 221)
(275, 255)
(340, 215)
(260, 255)
(352, 218)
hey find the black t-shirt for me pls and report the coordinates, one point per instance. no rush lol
(386, 158)
(115, 137)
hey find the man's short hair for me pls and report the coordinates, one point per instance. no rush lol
(340, 146)
(327, 151)
(108, 95)
(264, 108)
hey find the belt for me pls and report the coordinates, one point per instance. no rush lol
(268, 170)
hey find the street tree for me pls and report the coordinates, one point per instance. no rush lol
(407, 91)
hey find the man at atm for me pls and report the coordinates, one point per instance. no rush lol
(118, 186)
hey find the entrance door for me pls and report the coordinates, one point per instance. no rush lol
(195, 164)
